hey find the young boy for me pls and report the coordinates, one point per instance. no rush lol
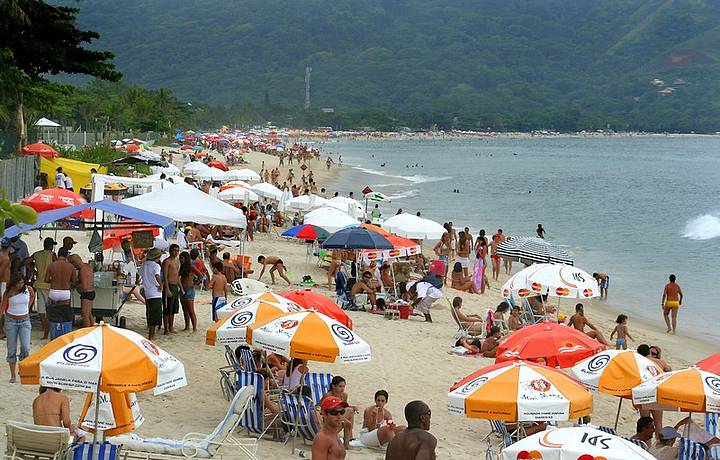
(218, 286)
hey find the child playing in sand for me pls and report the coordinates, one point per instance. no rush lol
(621, 330)
(218, 285)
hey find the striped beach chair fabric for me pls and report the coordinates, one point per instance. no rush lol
(607, 429)
(711, 423)
(299, 413)
(637, 442)
(498, 427)
(246, 360)
(691, 450)
(319, 385)
(252, 418)
(714, 452)
(97, 451)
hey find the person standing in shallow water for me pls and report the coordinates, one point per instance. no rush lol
(671, 301)
(540, 231)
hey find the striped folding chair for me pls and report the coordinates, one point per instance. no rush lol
(607, 429)
(253, 419)
(714, 452)
(637, 442)
(498, 428)
(691, 450)
(319, 385)
(246, 360)
(711, 423)
(299, 416)
(97, 451)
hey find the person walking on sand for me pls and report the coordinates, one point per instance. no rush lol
(671, 300)
(188, 276)
(85, 288)
(171, 289)
(603, 281)
(416, 442)
(622, 332)
(494, 257)
(276, 265)
(15, 307)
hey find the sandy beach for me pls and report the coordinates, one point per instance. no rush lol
(409, 357)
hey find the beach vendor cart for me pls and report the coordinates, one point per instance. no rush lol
(108, 281)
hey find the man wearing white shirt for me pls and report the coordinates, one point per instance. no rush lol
(69, 183)
(152, 284)
(59, 178)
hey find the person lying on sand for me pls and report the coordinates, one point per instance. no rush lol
(491, 343)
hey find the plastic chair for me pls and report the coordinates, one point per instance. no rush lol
(30, 440)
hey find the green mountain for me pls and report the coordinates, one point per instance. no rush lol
(520, 64)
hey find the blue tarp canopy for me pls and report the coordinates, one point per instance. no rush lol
(110, 206)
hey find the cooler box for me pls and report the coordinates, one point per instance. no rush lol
(437, 267)
(404, 311)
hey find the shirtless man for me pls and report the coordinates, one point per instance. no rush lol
(62, 277)
(85, 288)
(507, 263)
(578, 321)
(415, 442)
(491, 343)
(171, 289)
(52, 408)
(230, 270)
(276, 265)
(364, 284)
(335, 263)
(671, 300)
(40, 261)
(603, 281)
(327, 445)
(494, 257)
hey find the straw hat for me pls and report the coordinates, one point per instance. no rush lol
(153, 254)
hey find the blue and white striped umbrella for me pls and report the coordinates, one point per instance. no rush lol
(532, 249)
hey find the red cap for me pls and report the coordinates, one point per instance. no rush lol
(332, 402)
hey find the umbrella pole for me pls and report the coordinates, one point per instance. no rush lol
(97, 409)
(617, 415)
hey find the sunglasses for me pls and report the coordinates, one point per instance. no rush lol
(428, 413)
(335, 411)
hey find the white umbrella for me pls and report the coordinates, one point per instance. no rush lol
(170, 170)
(557, 280)
(211, 173)
(330, 219)
(243, 174)
(345, 204)
(237, 183)
(195, 167)
(413, 227)
(267, 190)
(304, 202)
(237, 194)
(118, 413)
(575, 443)
(249, 300)
(286, 196)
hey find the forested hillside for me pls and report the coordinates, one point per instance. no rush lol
(505, 64)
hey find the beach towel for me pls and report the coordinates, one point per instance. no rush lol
(478, 274)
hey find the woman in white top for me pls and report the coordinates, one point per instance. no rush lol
(294, 374)
(16, 305)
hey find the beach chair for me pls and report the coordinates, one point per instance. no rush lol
(498, 428)
(462, 331)
(299, 416)
(528, 314)
(27, 440)
(247, 362)
(691, 450)
(637, 442)
(713, 452)
(319, 385)
(228, 374)
(97, 451)
(711, 423)
(607, 429)
(253, 420)
(195, 445)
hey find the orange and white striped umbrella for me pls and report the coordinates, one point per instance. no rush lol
(118, 360)
(615, 372)
(309, 335)
(689, 390)
(232, 328)
(246, 300)
(119, 413)
(519, 392)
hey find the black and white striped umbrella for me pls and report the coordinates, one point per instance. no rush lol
(532, 249)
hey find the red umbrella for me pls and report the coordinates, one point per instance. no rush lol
(56, 198)
(186, 147)
(558, 345)
(312, 300)
(41, 149)
(710, 364)
(218, 164)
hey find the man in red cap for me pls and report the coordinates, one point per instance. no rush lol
(327, 445)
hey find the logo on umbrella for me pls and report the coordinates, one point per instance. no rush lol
(342, 332)
(241, 302)
(531, 455)
(289, 324)
(293, 307)
(79, 354)
(540, 385)
(653, 370)
(473, 385)
(587, 292)
(713, 383)
(241, 318)
(562, 291)
(149, 346)
(598, 362)
(537, 287)
(523, 292)
(569, 348)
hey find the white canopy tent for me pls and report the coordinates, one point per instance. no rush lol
(413, 227)
(305, 202)
(211, 173)
(47, 123)
(242, 174)
(267, 190)
(99, 181)
(329, 218)
(346, 204)
(238, 194)
(184, 203)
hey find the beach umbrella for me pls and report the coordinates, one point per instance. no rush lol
(232, 328)
(243, 174)
(574, 443)
(56, 198)
(533, 250)
(304, 202)
(556, 280)
(267, 190)
(330, 219)
(411, 226)
(615, 372)
(710, 364)
(41, 149)
(218, 164)
(377, 229)
(554, 344)
(356, 238)
(306, 232)
(519, 392)
(346, 204)
(402, 247)
(311, 300)
(193, 167)
(309, 335)
(234, 183)
(246, 300)
(118, 413)
(237, 194)
(689, 390)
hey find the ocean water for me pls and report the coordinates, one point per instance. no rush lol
(638, 208)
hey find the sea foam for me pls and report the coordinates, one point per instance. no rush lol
(417, 178)
(705, 227)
